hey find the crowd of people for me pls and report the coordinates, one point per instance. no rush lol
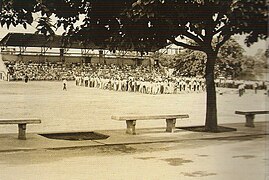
(131, 83)
(229, 83)
(143, 79)
(39, 71)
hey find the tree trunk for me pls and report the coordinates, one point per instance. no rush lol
(211, 123)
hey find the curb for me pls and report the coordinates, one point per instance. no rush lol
(132, 143)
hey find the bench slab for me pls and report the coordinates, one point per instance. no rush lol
(148, 117)
(251, 112)
(250, 115)
(131, 120)
(22, 122)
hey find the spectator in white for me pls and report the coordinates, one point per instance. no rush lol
(241, 89)
(64, 84)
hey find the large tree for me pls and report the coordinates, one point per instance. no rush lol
(143, 24)
(228, 64)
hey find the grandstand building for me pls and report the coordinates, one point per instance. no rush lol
(3, 70)
(27, 47)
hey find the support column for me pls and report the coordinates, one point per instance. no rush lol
(250, 120)
(22, 131)
(130, 127)
(170, 125)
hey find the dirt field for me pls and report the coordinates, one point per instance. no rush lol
(87, 109)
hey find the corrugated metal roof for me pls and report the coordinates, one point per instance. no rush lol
(38, 40)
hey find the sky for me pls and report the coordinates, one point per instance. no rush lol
(251, 51)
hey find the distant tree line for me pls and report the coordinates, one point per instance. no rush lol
(231, 62)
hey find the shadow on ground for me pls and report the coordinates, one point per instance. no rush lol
(76, 136)
(221, 129)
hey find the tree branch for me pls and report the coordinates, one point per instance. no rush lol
(225, 38)
(193, 37)
(196, 48)
(216, 31)
(221, 29)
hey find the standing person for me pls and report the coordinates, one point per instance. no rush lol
(77, 79)
(267, 88)
(255, 87)
(241, 89)
(86, 80)
(26, 78)
(64, 84)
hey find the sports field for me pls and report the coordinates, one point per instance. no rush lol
(88, 109)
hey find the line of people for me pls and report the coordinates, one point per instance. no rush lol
(159, 85)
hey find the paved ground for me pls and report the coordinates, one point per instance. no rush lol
(11, 143)
(152, 154)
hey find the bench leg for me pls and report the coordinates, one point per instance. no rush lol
(22, 131)
(130, 127)
(170, 125)
(250, 120)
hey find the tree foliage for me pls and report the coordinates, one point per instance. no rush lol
(262, 58)
(192, 63)
(143, 23)
(254, 67)
(229, 59)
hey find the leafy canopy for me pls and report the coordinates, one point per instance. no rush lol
(143, 23)
(192, 63)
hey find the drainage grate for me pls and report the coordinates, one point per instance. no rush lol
(76, 136)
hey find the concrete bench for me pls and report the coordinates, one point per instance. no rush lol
(250, 115)
(131, 121)
(21, 124)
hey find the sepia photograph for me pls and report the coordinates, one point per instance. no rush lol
(134, 90)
